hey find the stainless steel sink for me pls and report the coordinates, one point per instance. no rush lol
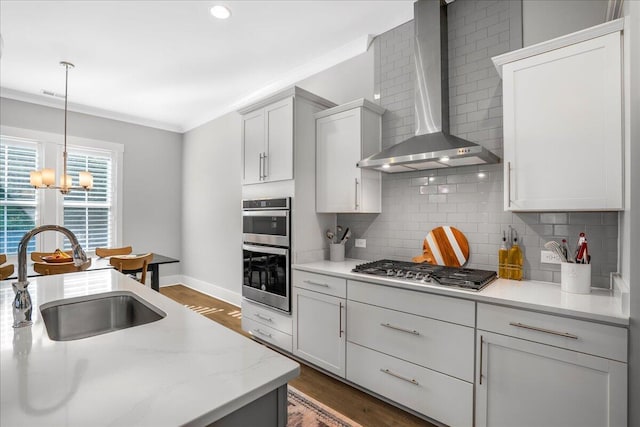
(82, 317)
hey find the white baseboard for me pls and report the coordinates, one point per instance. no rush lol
(170, 280)
(204, 287)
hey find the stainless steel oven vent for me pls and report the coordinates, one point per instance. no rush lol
(432, 147)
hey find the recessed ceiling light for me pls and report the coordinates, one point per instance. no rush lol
(385, 166)
(221, 12)
(444, 159)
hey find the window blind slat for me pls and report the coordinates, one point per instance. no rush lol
(88, 214)
(17, 197)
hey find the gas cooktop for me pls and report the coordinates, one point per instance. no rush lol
(465, 278)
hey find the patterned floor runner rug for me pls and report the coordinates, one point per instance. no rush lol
(305, 411)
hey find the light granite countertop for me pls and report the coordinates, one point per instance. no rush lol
(182, 369)
(600, 305)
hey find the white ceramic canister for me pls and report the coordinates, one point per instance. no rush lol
(575, 278)
(336, 252)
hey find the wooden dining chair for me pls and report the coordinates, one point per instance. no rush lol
(37, 256)
(107, 252)
(5, 270)
(132, 263)
(46, 268)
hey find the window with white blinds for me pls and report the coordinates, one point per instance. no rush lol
(89, 215)
(18, 200)
(92, 216)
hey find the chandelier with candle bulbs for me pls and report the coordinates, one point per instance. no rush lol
(46, 178)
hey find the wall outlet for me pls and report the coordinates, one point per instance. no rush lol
(361, 243)
(549, 257)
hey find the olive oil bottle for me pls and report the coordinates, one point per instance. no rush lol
(503, 271)
(515, 260)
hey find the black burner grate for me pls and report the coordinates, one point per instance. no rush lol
(465, 278)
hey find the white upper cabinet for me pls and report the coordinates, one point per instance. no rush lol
(267, 142)
(563, 122)
(345, 135)
(277, 135)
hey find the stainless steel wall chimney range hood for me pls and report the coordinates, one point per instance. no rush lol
(432, 147)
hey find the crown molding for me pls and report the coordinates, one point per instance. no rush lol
(48, 101)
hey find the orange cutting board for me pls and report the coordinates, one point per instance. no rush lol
(444, 245)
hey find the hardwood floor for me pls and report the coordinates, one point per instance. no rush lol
(353, 403)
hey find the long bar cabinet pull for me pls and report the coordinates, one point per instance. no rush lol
(546, 331)
(264, 165)
(260, 316)
(324, 285)
(397, 328)
(508, 184)
(356, 205)
(260, 167)
(481, 348)
(261, 332)
(393, 374)
(340, 321)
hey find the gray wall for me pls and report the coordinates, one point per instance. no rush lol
(151, 172)
(211, 227)
(344, 82)
(212, 174)
(468, 198)
(560, 17)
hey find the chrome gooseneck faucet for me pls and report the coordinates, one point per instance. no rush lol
(21, 305)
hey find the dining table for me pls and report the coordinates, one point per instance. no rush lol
(98, 263)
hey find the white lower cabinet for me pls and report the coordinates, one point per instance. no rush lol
(536, 369)
(318, 329)
(457, 361)
(268, 325)
(526, 384)
(439, 396)
(414, 348)
(442, 346)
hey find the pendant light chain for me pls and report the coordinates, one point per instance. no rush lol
(45, 178)
(66, 92)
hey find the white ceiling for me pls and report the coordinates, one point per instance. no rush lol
(170, 64)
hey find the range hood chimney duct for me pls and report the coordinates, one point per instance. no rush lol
(432, 147)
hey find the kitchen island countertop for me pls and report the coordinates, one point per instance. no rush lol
(601, 305)
(182, 369)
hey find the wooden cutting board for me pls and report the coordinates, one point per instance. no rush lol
(444, 245)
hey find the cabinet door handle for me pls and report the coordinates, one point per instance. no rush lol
(397, 328)
(340, 321)
(546, 331)
(260, 316)
(260, 167)
(261, 332)
(481, 345)
(324, 285)
(509, 184)
(264, 165)
(393, 374)
(356, 201)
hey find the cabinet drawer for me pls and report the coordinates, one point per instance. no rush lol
(441, 397)
(579, 335)
(442, 346)
(268, 334)
(421, 303)
(329, 285)
(267, 317)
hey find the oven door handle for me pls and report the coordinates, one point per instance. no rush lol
(266, 249)
(279, 213)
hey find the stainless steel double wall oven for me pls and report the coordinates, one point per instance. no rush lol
(266, 234)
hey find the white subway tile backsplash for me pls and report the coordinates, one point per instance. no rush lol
(437, 198)
(411, 203)
(554, 218)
